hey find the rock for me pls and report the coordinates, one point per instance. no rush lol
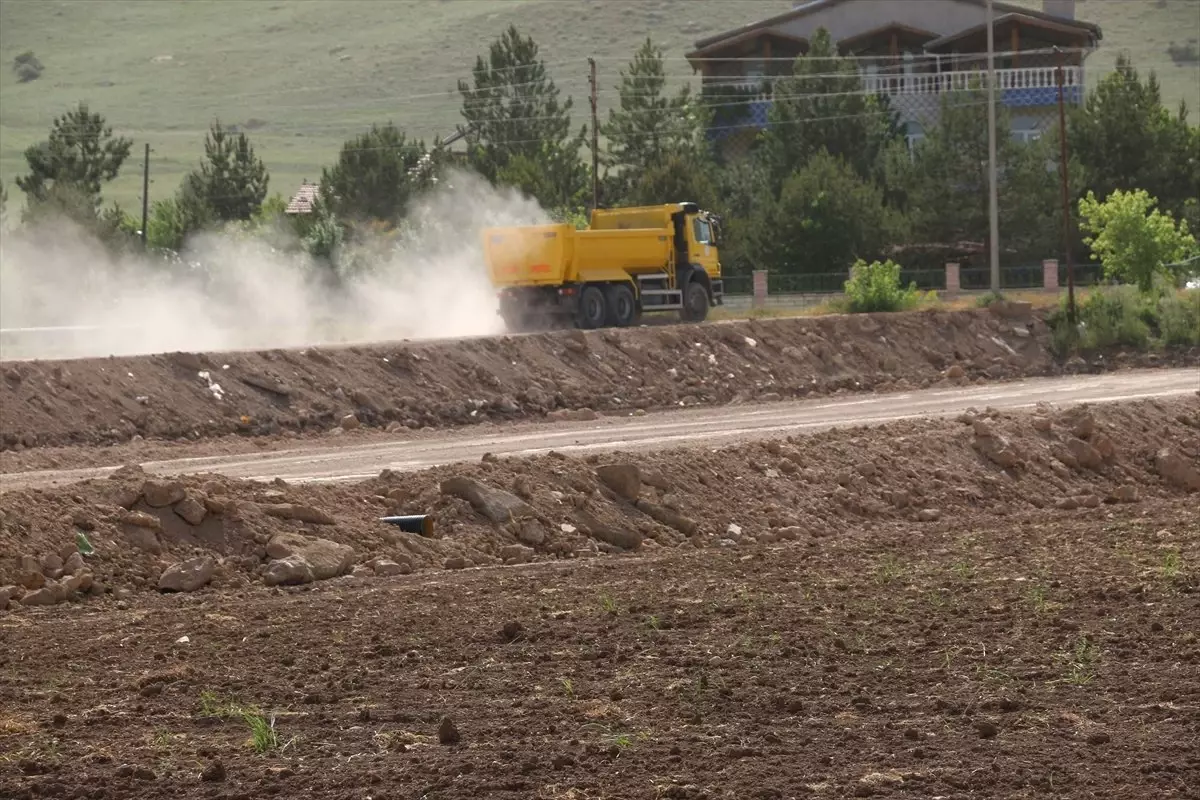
(325, 558)
(1124, 494)
(288, 571)
(160, 494)
(1177, 470)
(187, 576)
(624, 479)
(986, 730)
(512, 631)
(456, 562)
(929, 515)
(386, 567)
(668, 517)
(516, 554)
(733, 531)
(266, 383)
(192, 509)
(575, 341)
(496, 504)
(52, 565)
(1104, 446)
(140, 519)
(1085, 455)
(142, 529)
(1090, 501)
(299, 513)
(955, 372)
(1043, 424)
(73, 564)
(1098, 737)
(531, 533)
(350, 422)
(6, 593)
(213, 773)
(45, 596)
(448, 732)
(1084, 425)
(82, 581)
(994, 447)
(1067, 504)
(29, 573)
(364, 399)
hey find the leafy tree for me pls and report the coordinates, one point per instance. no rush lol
(823, 106)
(648, 127)
(1126, 139)
(826, 217)
(375, 175)
(512, 109)
(80, 155)
(677, 177)
(1133, 239)
(231, 182)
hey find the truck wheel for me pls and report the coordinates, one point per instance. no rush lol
(593, 310)
(695, 302)
(622, 307)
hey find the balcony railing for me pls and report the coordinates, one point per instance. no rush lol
(964, 80)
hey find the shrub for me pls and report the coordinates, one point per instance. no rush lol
(1179, 318)
(1113, 317)
(1133, 239)
(1122, 316)
(876, 287)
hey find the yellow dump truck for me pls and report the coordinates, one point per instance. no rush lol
(628, 261)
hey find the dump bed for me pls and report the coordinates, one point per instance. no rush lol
(528, 255)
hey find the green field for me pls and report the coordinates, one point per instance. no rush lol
(302, 76)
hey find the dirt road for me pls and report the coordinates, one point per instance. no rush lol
(670, 429)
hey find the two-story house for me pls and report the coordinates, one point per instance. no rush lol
(913, 51)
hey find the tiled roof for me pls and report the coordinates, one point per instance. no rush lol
(302, 201)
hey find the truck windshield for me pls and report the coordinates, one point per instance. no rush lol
(701, 230)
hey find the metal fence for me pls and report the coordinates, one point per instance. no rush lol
(973, 279)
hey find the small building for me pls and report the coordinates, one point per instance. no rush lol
(912, 51)
(304, 198)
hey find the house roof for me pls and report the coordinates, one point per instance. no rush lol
(1057, 26)
(739, 36)
(707, 44)
(916, 33)
(302, 201)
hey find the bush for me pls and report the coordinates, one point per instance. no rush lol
(1179, 318)
(876, 287)
(1133, 239)
(1121, 316)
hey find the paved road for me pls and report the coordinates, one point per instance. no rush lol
(715, 426)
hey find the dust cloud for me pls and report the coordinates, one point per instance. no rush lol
(234, 291)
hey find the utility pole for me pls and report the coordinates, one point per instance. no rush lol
(993, 201)
(595, 137)
(145, 193)
(1066, 188)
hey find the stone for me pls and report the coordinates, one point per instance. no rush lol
(1104, 446)
(531, 532)
(1124, 494)
(42, 597)
(955, 372)
(29, 572)
(140, 519)
(516, 554)
(448, 732)
(299, 513)
(350, 422)
(668, 517)
(1085, 455)
(73, 564)
(994, 447)
(187, 576)
(6, 593)
(160, 494)
(1084, 425)
(496, 504)
(572, 415)
(456, 562)
(624, 479)
(385, 567)
(1043, 424)
(192, 509)
(325, 558)
(82, 581)
(1177, 470)
(52, 565)
(929, 515)
(289, 571)
(213, 773)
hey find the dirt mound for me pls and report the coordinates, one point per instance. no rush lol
(558, 507)
(564, 374)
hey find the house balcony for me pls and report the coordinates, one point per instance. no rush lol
(918, 93)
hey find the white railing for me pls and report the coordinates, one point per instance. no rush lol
(942, 82)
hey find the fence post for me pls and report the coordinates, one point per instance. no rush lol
(1050, 275)
(953, 284)
(760, 288)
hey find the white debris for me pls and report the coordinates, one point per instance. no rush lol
(751, 342)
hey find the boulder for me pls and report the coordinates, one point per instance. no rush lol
(1085, 455)
(187, 576)
(299, 513)
(288, 571)
(386, 567)
(624, 479)
(325, 559)
(516, 554)
(160, 494)
(73, 564)
(45, 596)
(192, 509)
(1177, 470)
(496, 504)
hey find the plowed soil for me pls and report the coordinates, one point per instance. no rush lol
(1002, 606)
(415, 385)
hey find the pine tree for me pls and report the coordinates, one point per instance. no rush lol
(375, 175)
(79, 157)
(232, 180)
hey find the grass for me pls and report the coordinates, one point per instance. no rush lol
(263, 738)
(1081, 662)
(301, 77)
(1121, 316)
(1172, 565)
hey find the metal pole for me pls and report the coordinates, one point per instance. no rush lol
(1066, 188)
(993, 201)
(595, 138)
(145, 193)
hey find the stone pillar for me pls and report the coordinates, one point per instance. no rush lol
(1050, 274)
(953, 284)
(760, 288)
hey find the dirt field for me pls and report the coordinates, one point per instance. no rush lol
(411, 386)
(1035, 655)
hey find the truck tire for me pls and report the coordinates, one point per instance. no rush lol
(593, 308)
(695, 302)
(622, 305)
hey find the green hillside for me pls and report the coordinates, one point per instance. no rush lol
(302, 76)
